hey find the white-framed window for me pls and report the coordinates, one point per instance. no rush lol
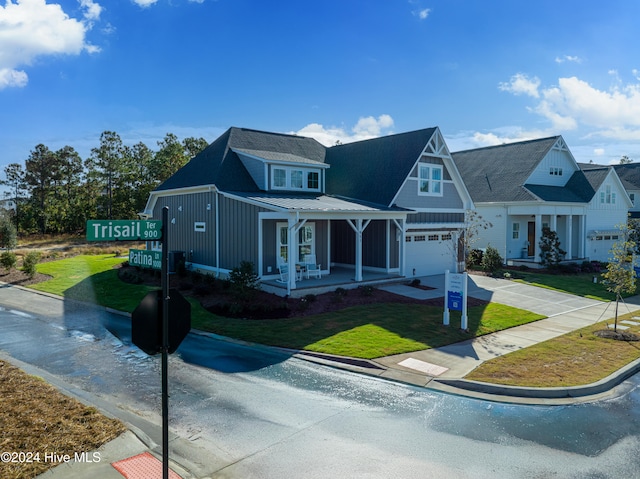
(632, 197)
(306, 241)
(291, 178)
(555, 171)
(607, 196)
(515, 231)
(433, 237)
(446, 237)
(420, 238)
(200, 227)
(279, 178)
(430, 180)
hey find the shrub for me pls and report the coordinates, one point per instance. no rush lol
(310, 297)
(244, 280)
(415, 282)
(8, 259)
(474, 258)
(491, 260)
(29, 264)
(366, 290)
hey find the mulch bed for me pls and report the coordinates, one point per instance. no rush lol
(218, 299)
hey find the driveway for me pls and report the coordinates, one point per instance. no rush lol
(530, 298)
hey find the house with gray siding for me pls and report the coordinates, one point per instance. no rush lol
(522, 187)
(394, 204)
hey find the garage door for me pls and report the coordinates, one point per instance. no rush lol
(429, 253)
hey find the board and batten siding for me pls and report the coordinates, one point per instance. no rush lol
(238, 232)
(374, 244)
(496, 235)
(184, 212)
(554, 159)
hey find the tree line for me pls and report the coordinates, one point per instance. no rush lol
(58, 191)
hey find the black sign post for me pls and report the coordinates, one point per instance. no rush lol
(165, 343)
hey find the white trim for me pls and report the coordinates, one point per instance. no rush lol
(289, 170)
(430, 181)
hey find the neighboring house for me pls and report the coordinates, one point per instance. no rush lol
(8, 205)
(630, 175)
(522, 187)
(392, 204)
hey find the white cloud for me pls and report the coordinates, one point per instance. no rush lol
(366, 128)
(521, 84)
(574, 103)
(568, 58)
(144, 3)
(33, 28)
(598, 151)
(12, 78)
(92, 9)
(422, 14)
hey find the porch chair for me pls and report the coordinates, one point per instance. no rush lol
(313, 268)
(283, 268)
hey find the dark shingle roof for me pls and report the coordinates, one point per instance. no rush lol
(374, 170)
(498, 173)
(629, 174)
(219, 165)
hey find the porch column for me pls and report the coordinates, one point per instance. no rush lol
(553, 223)
(582, 238)
(569, 236)
(401, 247)
(358, 227)
(294, 226)
(292, 238)
(536, 238)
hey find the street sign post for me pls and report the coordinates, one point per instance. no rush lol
(124, 230)
(145, 258)
(158, 304)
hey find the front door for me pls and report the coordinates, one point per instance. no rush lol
(531, 238)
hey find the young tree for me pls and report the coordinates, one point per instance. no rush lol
(8, 235)
(550, 252)
(620, 274)
(474, 224)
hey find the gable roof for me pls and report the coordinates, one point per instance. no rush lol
(498, 174)
(374, 170)
(218, 164)
(629, 175)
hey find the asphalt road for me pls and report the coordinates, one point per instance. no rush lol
(259, 414)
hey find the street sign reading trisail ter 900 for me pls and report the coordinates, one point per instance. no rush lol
(124, 230)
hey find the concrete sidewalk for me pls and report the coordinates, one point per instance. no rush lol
(449, 364)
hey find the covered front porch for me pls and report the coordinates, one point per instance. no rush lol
(339, 277)
(524, 232)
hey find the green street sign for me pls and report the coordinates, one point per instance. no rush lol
(145, 258)
(124, 230)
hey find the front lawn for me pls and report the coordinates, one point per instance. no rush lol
(573, 359)
(367, 331)
(371, 331)
(578, 284)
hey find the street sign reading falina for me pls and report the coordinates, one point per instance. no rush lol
(124, 230)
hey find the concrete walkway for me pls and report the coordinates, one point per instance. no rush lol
(565, 313)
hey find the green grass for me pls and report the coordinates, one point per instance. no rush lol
(92, 279)
(576, 358)
(363, 331)
(579, 284)
(370, 331)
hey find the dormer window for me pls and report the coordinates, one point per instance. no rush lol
(555, 171)
(292, 178)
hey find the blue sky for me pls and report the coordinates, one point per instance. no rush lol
(485, 72)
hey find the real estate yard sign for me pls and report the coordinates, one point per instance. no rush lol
(455, 297)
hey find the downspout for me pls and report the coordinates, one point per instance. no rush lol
(217, 207)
